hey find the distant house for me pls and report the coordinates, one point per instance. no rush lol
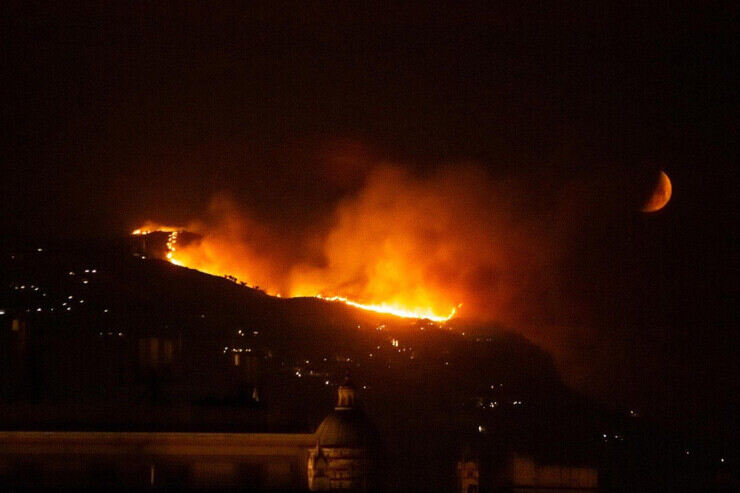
(468, 473)
(524, 474)
(520, 473)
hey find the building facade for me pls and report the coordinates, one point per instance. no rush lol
(335, 457)
(346, 452)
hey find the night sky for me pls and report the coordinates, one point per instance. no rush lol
(116, 115)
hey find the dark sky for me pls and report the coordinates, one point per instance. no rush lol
(119, 114)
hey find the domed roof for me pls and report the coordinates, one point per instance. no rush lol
(346, 428)
(347, 425)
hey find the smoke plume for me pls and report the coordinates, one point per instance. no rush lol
(498, 249)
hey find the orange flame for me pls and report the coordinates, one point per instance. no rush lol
(150, 227)
(201, 257)
(394, 309)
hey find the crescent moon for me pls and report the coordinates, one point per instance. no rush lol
(661, 195)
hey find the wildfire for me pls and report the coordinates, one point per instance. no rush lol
(395, 309)
(171, 249)
(150, 227)
(171, 238)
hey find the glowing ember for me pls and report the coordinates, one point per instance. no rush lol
(395, 309)
(171, 249)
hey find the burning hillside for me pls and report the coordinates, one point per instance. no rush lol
(403, 245)
(192, 253)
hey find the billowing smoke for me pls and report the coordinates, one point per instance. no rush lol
(452, 237)
(498, 249)
(426, 243)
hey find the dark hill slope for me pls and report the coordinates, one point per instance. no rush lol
(97, 337)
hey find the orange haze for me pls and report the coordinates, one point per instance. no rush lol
(412, 246)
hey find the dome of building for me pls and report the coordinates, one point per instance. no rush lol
(347, 426)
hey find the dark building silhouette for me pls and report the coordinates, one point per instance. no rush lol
(339, 455)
